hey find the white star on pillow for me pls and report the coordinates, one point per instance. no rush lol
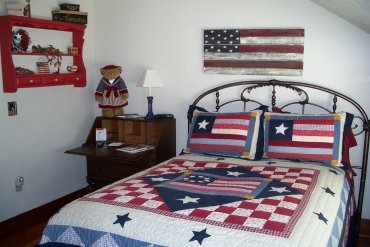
(202, 125)
(281, 129)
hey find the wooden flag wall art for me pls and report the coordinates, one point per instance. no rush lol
(254, 51)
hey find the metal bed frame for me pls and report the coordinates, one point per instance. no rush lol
(360, 127)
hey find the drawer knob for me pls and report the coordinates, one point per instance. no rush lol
(77, 79)
(55, 79)
(31, 81)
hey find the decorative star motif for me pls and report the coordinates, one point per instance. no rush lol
(159, 179)
(321, 217)
(188, 199)
(281, 129)
(334, 171)
(279, 190)
(329, 191)
(235, 174)
(19, 36)
(122, 219)
(200, 236)
(202, 125)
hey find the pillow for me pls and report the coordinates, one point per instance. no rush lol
(349, 142)
(226, 134)
(306, 137)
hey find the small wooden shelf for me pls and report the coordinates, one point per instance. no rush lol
(12, 81)
(42, 54)
(42, 80)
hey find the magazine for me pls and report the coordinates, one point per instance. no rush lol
(132, 115)
(136, 148)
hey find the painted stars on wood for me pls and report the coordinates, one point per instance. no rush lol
(254, 51)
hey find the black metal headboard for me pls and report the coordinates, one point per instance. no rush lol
(250, 89)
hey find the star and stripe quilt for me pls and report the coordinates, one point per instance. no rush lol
(198, 200)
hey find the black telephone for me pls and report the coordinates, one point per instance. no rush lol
(164, 116)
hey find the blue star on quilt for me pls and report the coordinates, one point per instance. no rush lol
(214, 187)
(321, 217)
(329, 191)
(122, 219)
(200, 236)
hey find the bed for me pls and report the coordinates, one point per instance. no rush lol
(256, 176)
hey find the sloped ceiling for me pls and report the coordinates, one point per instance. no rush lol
(356, 12)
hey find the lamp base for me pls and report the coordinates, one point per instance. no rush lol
(150, 114)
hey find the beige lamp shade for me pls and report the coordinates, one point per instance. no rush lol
(150, 79)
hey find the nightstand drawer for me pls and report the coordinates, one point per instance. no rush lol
(117, 169)
(110, 171)
(107, 165)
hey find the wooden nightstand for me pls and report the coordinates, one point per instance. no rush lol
(106, 165)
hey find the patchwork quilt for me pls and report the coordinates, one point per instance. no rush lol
(196, 200)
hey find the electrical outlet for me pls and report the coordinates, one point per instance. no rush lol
(19, 182)
(12, 108)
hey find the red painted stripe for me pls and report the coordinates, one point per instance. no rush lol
(254, 64)
(216, 147)
(234, 116)
(272, 48)
(313, 133)
(315, 121)
(288, 143)
(218, 136)
(302, 156)
(229, 126)
(271, 32)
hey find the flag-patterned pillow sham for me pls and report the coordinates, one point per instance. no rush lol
(226, 134)
(305, 137)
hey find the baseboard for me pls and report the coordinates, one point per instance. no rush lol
(38, 214)
(365, 228)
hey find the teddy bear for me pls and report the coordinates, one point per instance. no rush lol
(111, 93)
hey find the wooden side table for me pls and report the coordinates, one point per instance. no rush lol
(106, 165)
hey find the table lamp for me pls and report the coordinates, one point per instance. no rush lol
(150, 79)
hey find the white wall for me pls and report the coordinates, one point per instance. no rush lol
(167, 35)
(50, 120)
